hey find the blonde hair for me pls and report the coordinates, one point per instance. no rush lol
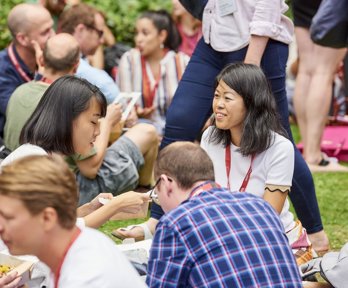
(41, 182)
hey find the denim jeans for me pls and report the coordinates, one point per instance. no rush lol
(192, 105)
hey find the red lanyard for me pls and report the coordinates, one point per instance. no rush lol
(16, 64)
(57, 274)
(45, 80)
(206, 186)
(148, 93)
(228, 169)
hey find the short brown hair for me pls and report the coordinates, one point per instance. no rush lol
(186, 162)
(75, 15)
(41, 182)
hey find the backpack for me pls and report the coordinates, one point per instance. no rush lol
(333, 267)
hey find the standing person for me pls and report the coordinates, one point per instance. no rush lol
(153, 68)
(28, 23)
(189, 27)
(210, 237)
(313, 89)
(249, 147)
(38, 200)
(73, 119)
(253, 31)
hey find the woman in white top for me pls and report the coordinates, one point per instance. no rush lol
(248, 145)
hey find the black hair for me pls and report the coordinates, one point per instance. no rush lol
(261, 118)
(162, 20)
(50, 126)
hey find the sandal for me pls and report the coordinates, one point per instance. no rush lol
(327, 166)
(323, 162)
(147, 233)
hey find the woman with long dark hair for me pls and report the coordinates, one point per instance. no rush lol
(73, 119)
(250, 149)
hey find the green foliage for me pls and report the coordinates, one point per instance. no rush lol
(5, 7)
(121, 15)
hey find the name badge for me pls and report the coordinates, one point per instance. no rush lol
(226, 7)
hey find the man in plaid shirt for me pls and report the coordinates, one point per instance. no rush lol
(210, 237)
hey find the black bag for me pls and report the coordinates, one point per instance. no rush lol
(330, 24)
(112, 57)
(4, 152)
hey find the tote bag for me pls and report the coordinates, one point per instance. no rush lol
(334, 142)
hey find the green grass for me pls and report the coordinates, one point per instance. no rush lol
(111, 225)
(332, 194)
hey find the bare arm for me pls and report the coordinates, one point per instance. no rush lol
(257, 46)
(129, 202)
(276, 195)
(89, 207)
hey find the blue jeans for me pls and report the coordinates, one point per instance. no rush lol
(191, 107)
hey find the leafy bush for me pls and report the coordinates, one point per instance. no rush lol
(6, 6)
(121, 16)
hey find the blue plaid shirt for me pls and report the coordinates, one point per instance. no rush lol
(222, 239)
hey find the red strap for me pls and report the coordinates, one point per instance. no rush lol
(16, 64)
(228, 169)
(73, 239)
(45, 80)
(206, 186)
(148, 93)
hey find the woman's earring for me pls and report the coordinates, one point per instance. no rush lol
(161, 46)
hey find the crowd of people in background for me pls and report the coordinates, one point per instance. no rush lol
(210, 71)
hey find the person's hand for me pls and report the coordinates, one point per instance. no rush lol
(145, 112)
(130, 202)
(132, 119)
(38, 57)
(113, 114)
(10, 280)
(95, 204)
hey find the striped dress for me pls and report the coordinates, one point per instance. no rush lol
(130, 79)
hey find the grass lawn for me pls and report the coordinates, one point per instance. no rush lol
(332, 194)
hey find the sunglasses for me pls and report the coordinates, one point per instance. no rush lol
(99, 32)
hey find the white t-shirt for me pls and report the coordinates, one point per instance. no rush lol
(93, 260)
(227, 25)
(275, 166)
(23, 151)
